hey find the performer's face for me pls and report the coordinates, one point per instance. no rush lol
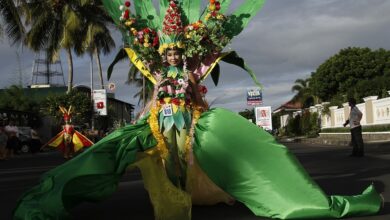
(174, 57)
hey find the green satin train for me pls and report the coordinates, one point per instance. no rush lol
(244, 161)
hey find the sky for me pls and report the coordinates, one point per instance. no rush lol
(285, 41)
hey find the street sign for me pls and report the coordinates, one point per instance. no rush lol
(100, 101)
(111, 87)
(254, 96)
(264, 117)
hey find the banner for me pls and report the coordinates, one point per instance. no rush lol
(100, 101)
(264, 117)
(254, 96)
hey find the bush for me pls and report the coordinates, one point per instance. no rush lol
(368, 128)
(293, 126)
(307, 124)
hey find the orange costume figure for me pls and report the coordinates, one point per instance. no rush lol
(69, 140)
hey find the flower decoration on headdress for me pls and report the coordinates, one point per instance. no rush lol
(172, 30)
(172, 21)
(143, 39)
(197, 39)
(125, 16)
(213, 10)
(146, 37)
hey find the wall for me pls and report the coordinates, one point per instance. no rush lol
(375, 112)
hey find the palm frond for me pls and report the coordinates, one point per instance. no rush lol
(13, 24)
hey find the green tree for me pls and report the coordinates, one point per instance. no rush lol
(14, 98)
(309, 124)
(342, 73)
(304, 93)
(249, 114)
(294, 126)
(81, 105)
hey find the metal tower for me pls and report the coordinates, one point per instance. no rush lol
(46, 73)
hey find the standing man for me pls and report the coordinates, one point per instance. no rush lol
(356, 129)
(13, 145)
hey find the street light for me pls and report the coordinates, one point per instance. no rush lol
(93, 112)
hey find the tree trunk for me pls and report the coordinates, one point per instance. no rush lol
(99, 67)
(70, 70)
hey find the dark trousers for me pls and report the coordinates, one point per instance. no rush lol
(357, 141)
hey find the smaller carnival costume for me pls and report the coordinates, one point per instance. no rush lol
(69, 140)
(218, 155)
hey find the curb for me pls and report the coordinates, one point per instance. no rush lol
(333, 142)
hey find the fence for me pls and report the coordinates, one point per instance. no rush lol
(375, 112)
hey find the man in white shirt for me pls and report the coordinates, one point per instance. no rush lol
(356, 129)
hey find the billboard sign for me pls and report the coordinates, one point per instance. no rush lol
(100, 101)
(264, 117)
(254, 96)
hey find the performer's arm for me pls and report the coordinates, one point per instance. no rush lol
(195, 91)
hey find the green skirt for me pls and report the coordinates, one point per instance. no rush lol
(241, 159)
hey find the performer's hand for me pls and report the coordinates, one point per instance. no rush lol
(191, 77)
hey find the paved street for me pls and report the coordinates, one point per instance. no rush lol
(330, 166)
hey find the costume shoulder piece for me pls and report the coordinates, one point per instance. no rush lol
(201, 33)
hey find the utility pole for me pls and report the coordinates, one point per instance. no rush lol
(93, 108)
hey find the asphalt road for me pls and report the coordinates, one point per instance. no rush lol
(329, 166)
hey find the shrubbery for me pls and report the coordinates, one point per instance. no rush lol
(370, 128)
(307, 124)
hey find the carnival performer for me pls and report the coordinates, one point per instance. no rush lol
(188, 154)
(69, 141)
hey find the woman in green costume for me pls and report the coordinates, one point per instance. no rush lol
(189, 154)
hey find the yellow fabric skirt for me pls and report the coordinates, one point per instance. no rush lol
(170, 202)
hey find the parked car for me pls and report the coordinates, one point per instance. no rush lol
(25, 139)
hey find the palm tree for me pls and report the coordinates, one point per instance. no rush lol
(146, 87)
(10, 11)
(52, 24)
(303, 93)
(94, 35)
(57, 24)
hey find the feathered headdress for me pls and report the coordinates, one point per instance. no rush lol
(67, 114)
(201, 33)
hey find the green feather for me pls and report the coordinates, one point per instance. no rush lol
(234, 59)
(191, 10)
(246, 12)
(215, 74)
(112, 7)
(147, 12)
(224, 5)
(163, 9)
(119, 56)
